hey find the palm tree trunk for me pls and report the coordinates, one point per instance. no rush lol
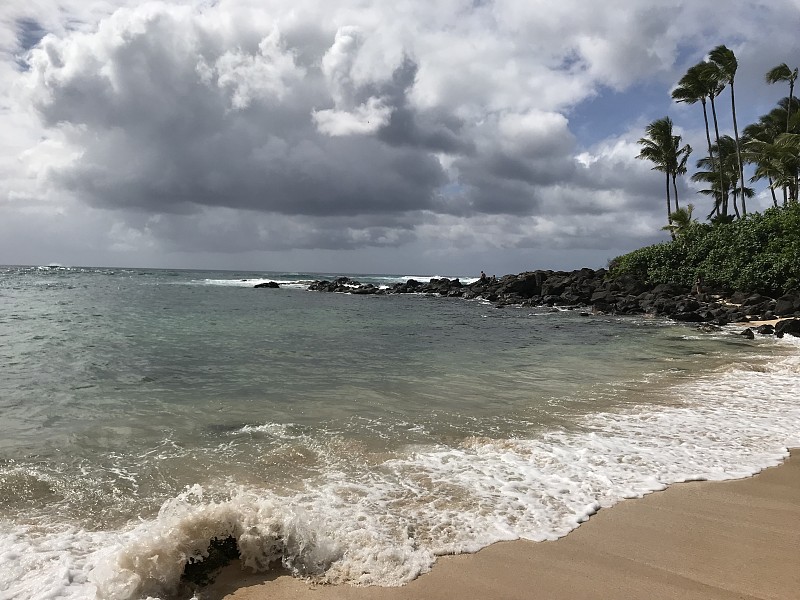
(772, 191)
(723, 192)
(717, 201)
(738, 150)
(669, 206)
(675, 190)
(788, 114)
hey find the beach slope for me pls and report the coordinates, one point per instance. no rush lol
(701, 540)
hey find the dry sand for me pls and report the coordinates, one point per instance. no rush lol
(701, 540)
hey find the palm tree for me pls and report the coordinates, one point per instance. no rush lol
(681, 221)
(679, 165)
(694, 87)
(759, 151)
(656, 147)
(783, 73)
(700, 84)
(664, 150)
(729, 171)
(725, 59)
(788, 144)
(745, 192)
(790, 107)
(772, 162)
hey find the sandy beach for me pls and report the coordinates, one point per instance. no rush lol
(699, 540)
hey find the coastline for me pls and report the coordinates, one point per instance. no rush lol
(694, 540)
(353, 437)
(600, 293)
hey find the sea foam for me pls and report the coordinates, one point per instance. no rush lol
(387, 524)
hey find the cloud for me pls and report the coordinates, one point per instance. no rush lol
(264, 75)
(237, 125)
(364, 118)
(169, 119)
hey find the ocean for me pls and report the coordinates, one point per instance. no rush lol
(350, 439)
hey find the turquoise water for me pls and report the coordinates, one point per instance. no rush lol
(352, 438)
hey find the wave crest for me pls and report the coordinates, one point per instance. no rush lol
(151, 559)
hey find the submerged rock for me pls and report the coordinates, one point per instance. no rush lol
(365, 289)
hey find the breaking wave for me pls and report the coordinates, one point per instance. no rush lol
(386, 524)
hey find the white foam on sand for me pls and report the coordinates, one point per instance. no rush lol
(387, 524)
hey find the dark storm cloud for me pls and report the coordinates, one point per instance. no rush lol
(434, 130)
(518, 157)
(497, 195)
(294, 177)
(159, 134)
(239, 231)
(503, 166)
(174, 117)
(430, 130)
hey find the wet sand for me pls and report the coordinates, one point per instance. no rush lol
(746, 324)
(701, 540)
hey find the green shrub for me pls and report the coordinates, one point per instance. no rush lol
(760, 253)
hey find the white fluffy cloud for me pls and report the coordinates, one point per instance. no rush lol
(239, 126)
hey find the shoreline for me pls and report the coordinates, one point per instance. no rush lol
(695, 540)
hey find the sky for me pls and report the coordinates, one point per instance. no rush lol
(332, 136)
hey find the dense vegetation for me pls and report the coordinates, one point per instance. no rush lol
(771, 147)
(757, 253)
(736, 250)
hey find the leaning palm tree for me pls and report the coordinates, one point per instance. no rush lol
(692, 89)
(701, 83)
(783, 73)
(725, 59)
